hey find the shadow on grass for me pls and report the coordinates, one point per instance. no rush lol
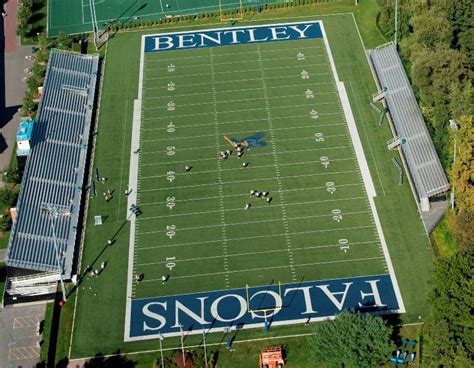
(115, 361)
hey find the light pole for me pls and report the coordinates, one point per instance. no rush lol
(454, 127)
(204, 344)
(182, 343)
(55, 212)
(160, 337)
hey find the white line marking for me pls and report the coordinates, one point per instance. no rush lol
(272, 268)
(219, 175)
(255, 253)
(255, 167)
(247, 181)
(254, 222)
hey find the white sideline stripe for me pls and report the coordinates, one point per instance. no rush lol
(240, 195)
(251, 222)
(238, 89)
(232, 54)
(271, 268)
(251, 253)
(133, 182)
(240, 209)
(246, 181)
(363, 166)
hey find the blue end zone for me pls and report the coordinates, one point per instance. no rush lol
(297, 302)
(233, 36)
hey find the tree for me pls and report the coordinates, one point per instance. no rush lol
(352, 340)
(449, 335)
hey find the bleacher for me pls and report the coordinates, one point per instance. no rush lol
(54, 172)
(418, 152)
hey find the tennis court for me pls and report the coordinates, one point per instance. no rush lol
(79, 16)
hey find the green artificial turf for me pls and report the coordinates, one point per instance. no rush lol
(99, 316)
(245, 92)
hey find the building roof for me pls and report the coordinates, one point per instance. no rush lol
(418, 149)
(54, 172)
(25, 129)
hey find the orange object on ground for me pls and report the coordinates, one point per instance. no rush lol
(271, 358)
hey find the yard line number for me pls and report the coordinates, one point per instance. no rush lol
(170, 202)
(331, 187)
(170, 231)
(344, 245)
(170, 262)
(336, 214)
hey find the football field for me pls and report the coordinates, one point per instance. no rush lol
(290, 208)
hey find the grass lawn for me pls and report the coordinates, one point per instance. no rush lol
(100, 309)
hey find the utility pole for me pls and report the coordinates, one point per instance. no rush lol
(204, 344)
(160, 337)
(182, 343)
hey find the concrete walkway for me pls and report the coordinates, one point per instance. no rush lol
(12, 69)
(19, 339)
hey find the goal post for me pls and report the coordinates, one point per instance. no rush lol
(263, 310)
(231, 10)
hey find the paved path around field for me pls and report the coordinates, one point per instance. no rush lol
(12, 84)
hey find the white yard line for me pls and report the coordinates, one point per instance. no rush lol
(194, 66)
(254, 155)
(251, 120)
(237, 89)
(254, 209)
(252, 253)
(233, 80)
(232, 90)
(240, 110)
(236, 62)
(250, 180)
(253, 222)
(233, 54)
(271, 268)
(255, 167)
(240, 194)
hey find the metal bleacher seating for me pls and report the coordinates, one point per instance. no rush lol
(54, 171)
(418, 151)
